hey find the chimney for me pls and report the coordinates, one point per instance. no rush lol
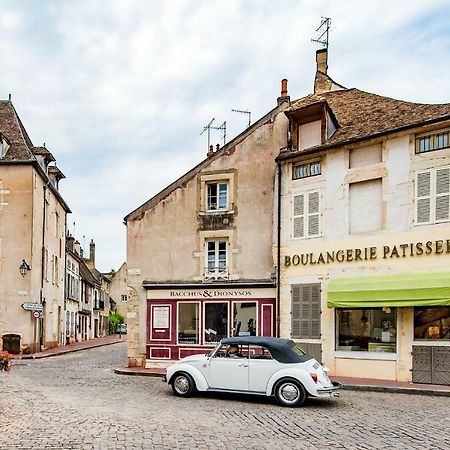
(210, 151)
(77, 248)
(322, 60)
(284, 93)
(92, 252)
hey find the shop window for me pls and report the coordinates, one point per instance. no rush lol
(216, 321)
(369, 329)
(305, 317)
(306, 215)
(217, 196)
(432, 323)
(433, 196)
(244, 319)
(216, 258)
(188, 321)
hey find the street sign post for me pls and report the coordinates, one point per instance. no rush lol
(32, 306)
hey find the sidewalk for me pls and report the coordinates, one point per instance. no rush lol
(348, 383)
(75, 347)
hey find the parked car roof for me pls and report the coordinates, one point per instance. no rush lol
(280, 349)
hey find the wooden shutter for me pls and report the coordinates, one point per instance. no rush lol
(299, 216)
(305, 311)
(313, 213)
(442, 194)
(423, 197)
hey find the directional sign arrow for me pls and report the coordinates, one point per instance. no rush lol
(32, 306)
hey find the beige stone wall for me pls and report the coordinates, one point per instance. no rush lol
(397, 169)
(165, 243)
(118, 288)
(21, 238)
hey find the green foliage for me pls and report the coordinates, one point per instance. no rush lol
(114, 320)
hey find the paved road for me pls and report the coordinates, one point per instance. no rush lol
(76, 401)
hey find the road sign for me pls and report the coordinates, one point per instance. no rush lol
(36, 314)
(32, 306)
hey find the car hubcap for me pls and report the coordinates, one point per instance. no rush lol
(289, 392)
(181, 385)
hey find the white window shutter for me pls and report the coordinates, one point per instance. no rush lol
(313, 213)
(442, 194)
(299, 216)
(423, 198)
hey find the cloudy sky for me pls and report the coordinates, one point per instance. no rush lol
(120, 90)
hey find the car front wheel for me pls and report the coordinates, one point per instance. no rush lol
(289, 392)
(183, 385)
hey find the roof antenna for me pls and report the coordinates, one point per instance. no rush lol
(323, 31)
(208, 127)
(245, 112)
(222, 127)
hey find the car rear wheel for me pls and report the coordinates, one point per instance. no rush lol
(183, 384)
(289, 392)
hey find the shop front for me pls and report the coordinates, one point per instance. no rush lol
(185, 320)
(401, 321)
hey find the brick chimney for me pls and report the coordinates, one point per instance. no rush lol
(284, 97)
(322, 82)
(92, 252)
(322, 60)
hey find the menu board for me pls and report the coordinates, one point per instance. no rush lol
(161, 316)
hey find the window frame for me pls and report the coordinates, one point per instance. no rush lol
(433, 137)
(306, 214)
(220, 302)
(208, 204)
(308, 166)
(199, 324)
(217, 250)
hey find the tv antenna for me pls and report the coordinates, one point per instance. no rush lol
(323, 31)
(210, 127)
(249, 114)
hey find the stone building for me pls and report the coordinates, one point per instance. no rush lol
(32, 237)
(199, 253)
(73, 289)
(365, 232)
(119, 289)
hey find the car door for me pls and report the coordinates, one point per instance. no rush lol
(228, 372)
(261, 367)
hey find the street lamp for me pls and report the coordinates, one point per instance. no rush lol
(24, 268)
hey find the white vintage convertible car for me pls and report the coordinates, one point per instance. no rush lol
(253, 365)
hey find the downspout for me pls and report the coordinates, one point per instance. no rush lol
(278, 247)
(41, 297)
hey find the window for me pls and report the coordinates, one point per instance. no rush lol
(309, 134)
(432, 323)
(124, 298)
(365, 206)
(217, 196)
(436, 141)
(216, 258)
(306, 215)
(433, 196)
(188, 320)
(305, 311)
(258, 352)
(370, 329)
(216, 321)
(305, 170)
(244, 319)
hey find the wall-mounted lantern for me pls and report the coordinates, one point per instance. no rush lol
(24, 268)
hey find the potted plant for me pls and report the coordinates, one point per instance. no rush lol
(5, 361)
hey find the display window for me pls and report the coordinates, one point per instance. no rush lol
(188, 323)
(245, 319)
(432, 323)
(216, 321)
(366, 330)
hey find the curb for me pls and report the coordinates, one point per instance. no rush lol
(395, 390)
(139, 374)
(346, 387)
(63, 352)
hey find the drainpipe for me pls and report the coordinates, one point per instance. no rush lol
(41, 297)
(278, 249)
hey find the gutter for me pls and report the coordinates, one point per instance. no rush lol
(278, 296)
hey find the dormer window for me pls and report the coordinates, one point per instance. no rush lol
(217, 196)
(309, 134)
(4, 145)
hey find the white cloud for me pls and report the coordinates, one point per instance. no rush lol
(120, 90)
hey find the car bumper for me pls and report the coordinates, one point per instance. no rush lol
(330, 391)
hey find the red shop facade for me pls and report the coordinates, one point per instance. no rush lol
(185, 320)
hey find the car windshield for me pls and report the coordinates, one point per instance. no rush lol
(298, 350)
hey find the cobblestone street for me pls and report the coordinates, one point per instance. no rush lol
(76, 401)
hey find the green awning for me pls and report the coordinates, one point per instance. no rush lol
(422, 289)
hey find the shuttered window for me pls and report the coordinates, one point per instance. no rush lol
(306, 215)
(305, 311)
(433, 196)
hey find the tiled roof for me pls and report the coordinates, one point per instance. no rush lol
(11, 127)
(362, 115)
(43, 151)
